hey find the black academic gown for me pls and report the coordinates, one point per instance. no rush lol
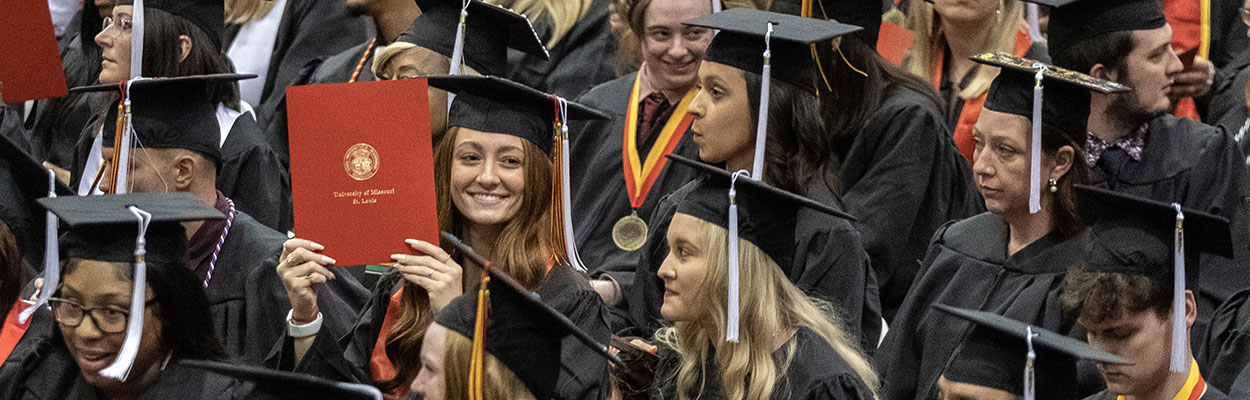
(829, 264)
(967, 266)
(334, 69)
(253, 176)
(1226, 352)
(342, 353)
(1241, 387)
(41, 368)
(902, 178)
(583, 58)
(599, 193)
(1211, 394)
(1235, 119)
(816, 372)
(246, 297)
(1201, 168)
(308, 30)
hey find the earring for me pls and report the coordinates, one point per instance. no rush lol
(998, 15)
(1054, 186)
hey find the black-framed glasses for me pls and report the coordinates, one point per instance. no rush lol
(121, 24)
(108, 319)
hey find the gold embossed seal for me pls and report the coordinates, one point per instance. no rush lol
(361, 161)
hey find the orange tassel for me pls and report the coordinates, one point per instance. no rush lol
(558, 241)
(117, 143)
(477, 357)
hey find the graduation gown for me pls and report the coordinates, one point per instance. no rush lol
(343, 353)
(1241, 387)
(902, 177)
(1201, 168)
(599, 192)
(334, 69)
(308, 30)
(253, 176)
(967, 266)
(41, 368)
(246, 297)
(816, 372)
(830, 264)
(1226, 353)
(583, 58)
(1211, 394)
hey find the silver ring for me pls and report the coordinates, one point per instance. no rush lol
(430, 274)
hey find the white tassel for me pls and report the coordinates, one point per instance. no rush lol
(120, 369)
(570, 242)
(761, 130)
(1030, 381)
(1035, 29)
(731, 321)
(1035, 156)
(51, 257)
(457, 50)
(717, 6)
(1179, 363)
(136, 40)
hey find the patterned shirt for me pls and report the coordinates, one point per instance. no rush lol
(1133, 144)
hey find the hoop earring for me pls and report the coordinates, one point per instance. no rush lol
(1054, 186)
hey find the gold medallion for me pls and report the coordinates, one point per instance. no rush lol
(630, 232)
(361, 161)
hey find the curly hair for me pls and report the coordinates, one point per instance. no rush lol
(1103, 296)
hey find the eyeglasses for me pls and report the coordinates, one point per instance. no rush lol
(120, 24)
(108, 319)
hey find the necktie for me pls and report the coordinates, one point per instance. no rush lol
(651, 107)
(1112, 163)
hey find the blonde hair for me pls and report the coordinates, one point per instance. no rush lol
(239, 12)
(499, 382)
(929, 43)
(561, 14)
(393, 50)
(771, 308)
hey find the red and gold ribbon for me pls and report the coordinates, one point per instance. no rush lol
(640, 175)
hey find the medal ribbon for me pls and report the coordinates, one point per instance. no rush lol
(640, 176)
(1194, 387)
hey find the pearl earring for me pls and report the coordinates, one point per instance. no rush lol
(1054, 186)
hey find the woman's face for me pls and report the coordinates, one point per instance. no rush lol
(487, 176)
(429, 382)
(684, 271)
(114, 42)
(967, 10)
(1002, 155)
(419, 62)
(97, 284)
(722, 115)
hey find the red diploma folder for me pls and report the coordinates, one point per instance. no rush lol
(30, 64)
(362, 168)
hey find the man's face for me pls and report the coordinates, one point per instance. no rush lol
(1149, 70)
(1143, 339)
(671, 52)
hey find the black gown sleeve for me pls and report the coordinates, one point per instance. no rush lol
(1227, 349)
(841, 387)
(253, 176)
(569, 292)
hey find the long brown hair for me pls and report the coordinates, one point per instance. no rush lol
(930, 42)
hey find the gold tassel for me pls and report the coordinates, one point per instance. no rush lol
(117, 143)
(559, 247)
(805, 9)
(477, 357)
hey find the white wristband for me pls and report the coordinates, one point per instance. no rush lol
(304, 330)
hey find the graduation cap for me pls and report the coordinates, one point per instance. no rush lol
(1000, 348)
(23, 180)
(746, 41)
(497, 105)
(130, 228)
(751, 210)
(517, 327)
(208, 15)
(274, 384)
(483, 34)
(1161, 241)
(1064, 103)
(862, 13)
(1072, 21)
(174, 112)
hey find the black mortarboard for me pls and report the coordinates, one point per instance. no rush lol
(1071, 22)
(274, 384)
(1138, 236)
(861, 13)
(497, 105)
(996, 355)
(741, 43)
(765, 216)
(522, 331)
(141, 229)
(1065, 103)
(489, 31)
(208, 15)
(174, 112)
(22, 181)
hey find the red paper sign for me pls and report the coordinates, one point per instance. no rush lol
(30, 64)
(362, 168)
